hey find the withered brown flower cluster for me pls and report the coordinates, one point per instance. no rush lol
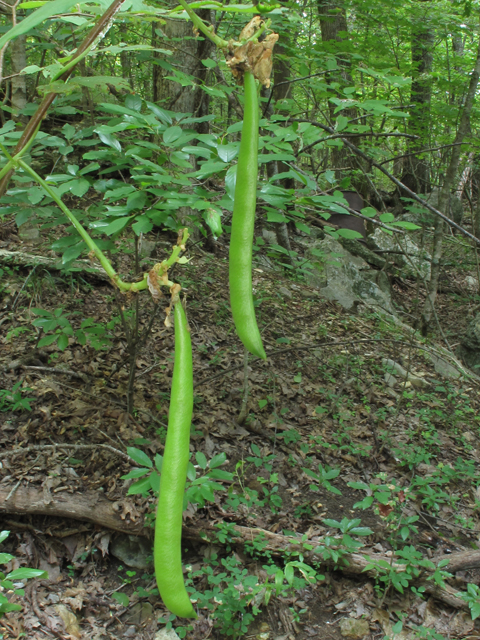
(255, 57)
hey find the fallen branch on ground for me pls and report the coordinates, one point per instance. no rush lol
(91, 506)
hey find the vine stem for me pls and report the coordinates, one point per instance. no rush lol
(133, 287)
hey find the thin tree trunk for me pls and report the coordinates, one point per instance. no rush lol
(416, 174)
(281, 73)
(19, 82)
(463, 130)
(333, 26)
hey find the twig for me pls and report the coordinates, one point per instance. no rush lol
(75, 447)
(243, 410)
(73, 374)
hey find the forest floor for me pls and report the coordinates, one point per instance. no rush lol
(329, 436)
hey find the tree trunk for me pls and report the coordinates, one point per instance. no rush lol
(280, 91)
(416, 174)
(333, 26)
(463, 130)
(188, 52)
(19, 82)
(125, 57)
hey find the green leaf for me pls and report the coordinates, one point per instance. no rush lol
(228, 152)
(4, 535)
(349, 234)
(201, 460)
(410, 226)
(342, 122)
(230, 180)
(383, 496)
(142, 225)
(115, 226)
(332, 523)
(136, 200)
(172, 134)
(140, 457)
(109, 140)
(214, 221)
(25, 574)
(369, 212)
(358, 485)
(134, 102)
(121, 598)
(273, 216)
(209, 63)
(73, 252)
(155, 481)
(387, 217)
(161, 114)
(80, 187)
(217, 460)
(135, 473)
(47, 340)
(361, 531)
(48, 10)
(141, 486)
(62, 342)
(474, 609)
(5, 557)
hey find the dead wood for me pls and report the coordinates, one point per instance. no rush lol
(90, 506)
(52, 263)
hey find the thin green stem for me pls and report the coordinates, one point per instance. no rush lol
(72, 63)
(104, 261)
(23, 151)
(7, 168)
(161, 268)
(201, 26)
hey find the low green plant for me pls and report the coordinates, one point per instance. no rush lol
(198, 489)
(412, 562)
(260, 460)
(13, 400)
(472, 598)
(58, 326)
(336, 547)
(12, 583)
(323, 478)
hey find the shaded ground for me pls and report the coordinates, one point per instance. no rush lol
(321, 399)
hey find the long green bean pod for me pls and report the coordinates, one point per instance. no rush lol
(168, 527)
(243, 223)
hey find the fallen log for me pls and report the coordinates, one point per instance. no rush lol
(88, 506)
(91, 506)
(22, 259)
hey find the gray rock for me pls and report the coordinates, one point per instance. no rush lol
(354, 629)
(396, 367)
(286, 293)
(146, 248)
(166, 634)
(443, 367)
(29, 231)
(132, 550)
(269, 236)
(416, 261)
(471, 283)
(347, 279)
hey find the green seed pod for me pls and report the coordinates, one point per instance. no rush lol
(243, 223)
(168, 527)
